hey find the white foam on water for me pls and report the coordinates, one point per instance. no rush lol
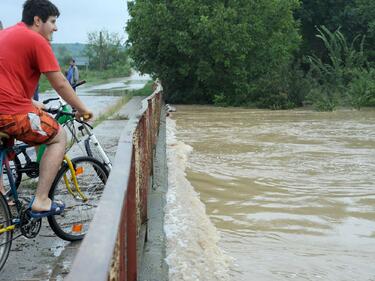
(192, 240)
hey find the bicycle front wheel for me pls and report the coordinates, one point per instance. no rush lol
(6, 235)
(80, 207)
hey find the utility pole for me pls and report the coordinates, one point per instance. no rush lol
(101, 51)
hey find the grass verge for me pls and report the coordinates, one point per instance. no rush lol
(145, 91)
(111, 110)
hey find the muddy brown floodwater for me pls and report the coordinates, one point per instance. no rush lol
(292, 193)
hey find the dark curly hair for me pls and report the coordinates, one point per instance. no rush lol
(40, 8)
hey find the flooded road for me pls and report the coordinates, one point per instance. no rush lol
(99, 97)
(292, 193)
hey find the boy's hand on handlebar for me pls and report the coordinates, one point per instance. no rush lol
(86, 115)
(38, 104)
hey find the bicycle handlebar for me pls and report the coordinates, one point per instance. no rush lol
(59, 111)
(79, 83)
(49, 100)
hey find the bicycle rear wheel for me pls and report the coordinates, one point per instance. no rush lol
(74, 222)
(5, 236)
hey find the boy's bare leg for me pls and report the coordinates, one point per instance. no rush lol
(49, 165)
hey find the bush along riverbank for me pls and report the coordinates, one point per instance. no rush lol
(344, 77)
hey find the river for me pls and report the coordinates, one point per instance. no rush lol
(291, 193)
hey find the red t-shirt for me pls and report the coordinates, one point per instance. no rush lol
(24, 55)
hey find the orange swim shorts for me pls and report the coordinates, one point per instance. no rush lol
(33, 128)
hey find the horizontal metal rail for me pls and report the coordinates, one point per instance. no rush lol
(109, 250)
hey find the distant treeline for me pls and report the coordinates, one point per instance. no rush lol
(264, 53)
(103, 51)
(65, 51)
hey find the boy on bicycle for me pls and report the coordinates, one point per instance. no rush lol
(26, 53)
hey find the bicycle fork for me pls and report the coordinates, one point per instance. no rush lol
(95, 142)
(104, 156)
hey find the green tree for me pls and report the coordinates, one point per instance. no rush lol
(363, 22)
(213, 51)
(353, 17)
(105, 50)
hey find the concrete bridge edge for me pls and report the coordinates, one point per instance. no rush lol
(153, 266)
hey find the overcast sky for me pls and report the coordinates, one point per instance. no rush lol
(77, 17)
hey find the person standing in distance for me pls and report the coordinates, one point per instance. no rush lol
(73, 73)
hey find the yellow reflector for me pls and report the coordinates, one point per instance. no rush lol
(79, 171)
(77, 227)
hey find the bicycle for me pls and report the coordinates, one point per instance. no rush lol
(79, 183)
(65, 116)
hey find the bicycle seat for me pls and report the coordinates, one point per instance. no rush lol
(2, 137)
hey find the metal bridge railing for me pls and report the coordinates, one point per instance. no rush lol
(109, 251)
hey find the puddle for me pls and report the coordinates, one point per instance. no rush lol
(133, 82)
(58, 248)
(99, 97)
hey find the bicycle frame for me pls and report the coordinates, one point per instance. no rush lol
(74, 178)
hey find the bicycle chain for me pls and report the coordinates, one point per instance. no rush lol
(29, 226)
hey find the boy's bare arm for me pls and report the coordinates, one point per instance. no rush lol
(65, 90)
